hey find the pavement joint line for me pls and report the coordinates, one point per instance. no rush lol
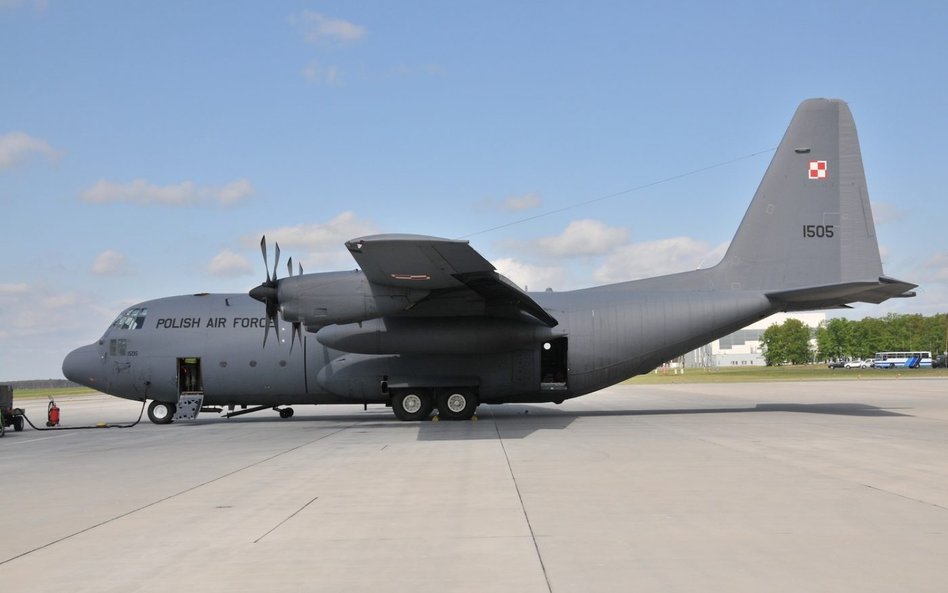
(278, 525)
(903, 496)
(41, 438)
(526, 516)
(170, 496)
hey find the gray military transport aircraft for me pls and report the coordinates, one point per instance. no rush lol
(428, 323)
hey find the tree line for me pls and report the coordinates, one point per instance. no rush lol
(846, 338)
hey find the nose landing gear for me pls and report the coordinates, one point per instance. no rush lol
(161, 412)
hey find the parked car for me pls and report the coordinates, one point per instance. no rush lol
(837, 364)
(860, 364)
(940, 362)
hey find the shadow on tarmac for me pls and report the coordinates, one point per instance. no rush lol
(517, 421)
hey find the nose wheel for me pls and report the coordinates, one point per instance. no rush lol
(161, 412)
(286, 412)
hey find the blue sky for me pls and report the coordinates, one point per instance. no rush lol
(146, 147)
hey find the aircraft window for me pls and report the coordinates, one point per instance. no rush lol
(131, 319)
(117, 347)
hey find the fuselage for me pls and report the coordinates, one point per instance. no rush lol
(213, 344)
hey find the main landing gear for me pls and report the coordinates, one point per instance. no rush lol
(417, 404)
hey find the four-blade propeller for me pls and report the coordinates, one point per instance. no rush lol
(297, 326)
(267, 293)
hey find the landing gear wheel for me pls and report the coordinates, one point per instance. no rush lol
(412, 405)
(456, 404)
(18, 423)
(161, 412)
(286, 413)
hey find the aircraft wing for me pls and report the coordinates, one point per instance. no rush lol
(435, 264)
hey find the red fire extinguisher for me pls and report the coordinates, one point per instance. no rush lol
(52, 414)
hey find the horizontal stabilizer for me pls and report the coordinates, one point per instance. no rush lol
(836, 295)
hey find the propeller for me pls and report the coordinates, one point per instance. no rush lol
(297, 326)
(266, 293)
(289, 268)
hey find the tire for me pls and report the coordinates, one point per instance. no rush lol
(412, 405)
(457, 404)
(161, 412)
(18, 423)
(286, 413)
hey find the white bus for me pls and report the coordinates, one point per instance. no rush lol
(908, 360)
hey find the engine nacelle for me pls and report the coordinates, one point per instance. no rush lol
(458, 335)
(328, 298)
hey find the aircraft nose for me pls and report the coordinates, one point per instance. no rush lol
(82, 364)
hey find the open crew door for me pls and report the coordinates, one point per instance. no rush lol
(190, 389)
(189, 376)
(553, 365)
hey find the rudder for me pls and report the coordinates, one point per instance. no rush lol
(810, 223)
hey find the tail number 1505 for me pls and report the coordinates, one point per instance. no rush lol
(819, 231)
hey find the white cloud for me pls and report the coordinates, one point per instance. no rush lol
(143, 193)
(520, 203)
(110, 263)
(316, 72)
(583, 238)
(16, 147)
(317, 246)
(535, 277)
(322, 29)
(884, 254)
(13, 289)
(656, 258)
(37, 332)
(234, 192)
(937, 265)
(516, 203)
(885, 212)
(229, 264)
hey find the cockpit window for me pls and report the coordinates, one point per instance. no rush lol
(131, 319)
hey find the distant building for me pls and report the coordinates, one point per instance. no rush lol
(742, 348)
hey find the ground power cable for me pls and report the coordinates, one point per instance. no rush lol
(98, 425)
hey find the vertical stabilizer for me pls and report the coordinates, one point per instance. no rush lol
(809, 224)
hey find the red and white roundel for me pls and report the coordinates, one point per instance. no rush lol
(817, 169)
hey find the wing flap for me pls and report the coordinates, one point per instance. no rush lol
(415, 261)
(436, 264)
(496, 288)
